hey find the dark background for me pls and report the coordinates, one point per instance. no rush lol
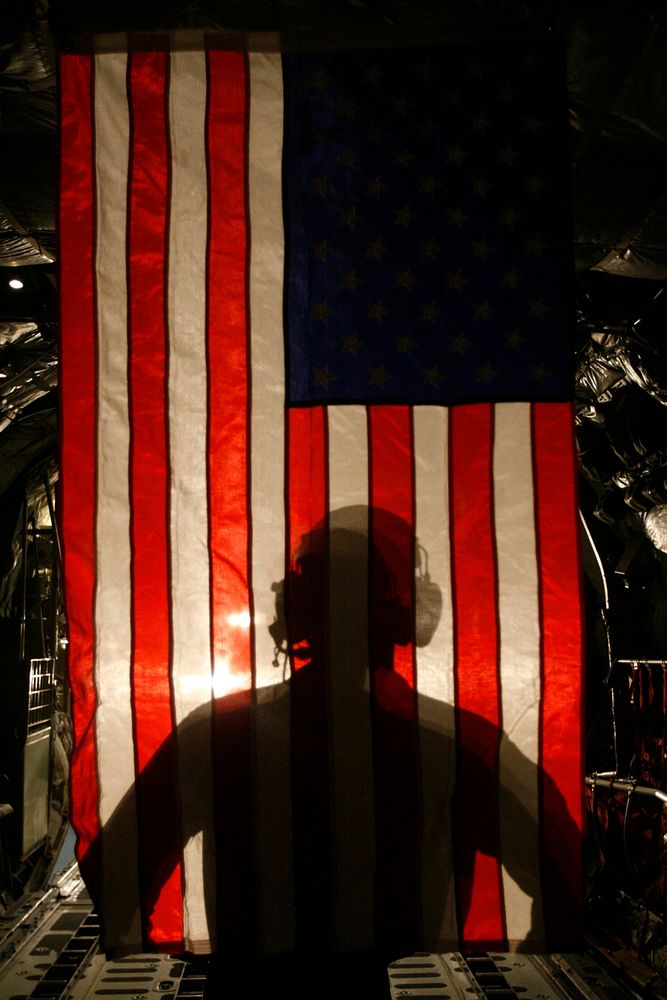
(617, 101)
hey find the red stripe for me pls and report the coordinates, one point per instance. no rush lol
(306, 602)
(159, 836)
(228, 471)
(78, 380)
(561, 765)
(307, 504)
(227, 330)
(392, 489)
(478, 705)
(307, 482)
(392, 659)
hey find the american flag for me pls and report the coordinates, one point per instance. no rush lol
(318, 496)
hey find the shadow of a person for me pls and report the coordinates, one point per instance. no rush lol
(379, 868)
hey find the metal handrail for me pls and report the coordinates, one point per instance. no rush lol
(607, 779)
(638, 660)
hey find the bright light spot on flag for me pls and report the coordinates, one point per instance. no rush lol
(195, 684)
(239, 619)
(226, 680)
(15, 283)
(197, 688)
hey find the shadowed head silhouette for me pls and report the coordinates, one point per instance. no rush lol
(349, 805)
(341, 580)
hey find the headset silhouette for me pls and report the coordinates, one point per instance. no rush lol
(298, 605)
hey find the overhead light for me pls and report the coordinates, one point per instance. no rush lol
(15, 283)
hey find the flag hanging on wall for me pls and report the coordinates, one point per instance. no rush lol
(318, 496)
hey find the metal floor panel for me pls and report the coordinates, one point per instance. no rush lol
(499, 976)
(49, 951)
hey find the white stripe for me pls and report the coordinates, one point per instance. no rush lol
(352, 756)
(273, 798)
(435, 661)
(268, 377)
(519, 668)
(191, 666)
(435, 674)
(113, 721)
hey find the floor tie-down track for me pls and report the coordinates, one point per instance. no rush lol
(49, 951)
(498, 976)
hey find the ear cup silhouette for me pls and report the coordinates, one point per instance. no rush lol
(428, 608)
(298, 611)
(428, 601)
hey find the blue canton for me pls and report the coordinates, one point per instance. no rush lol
(427, 225)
